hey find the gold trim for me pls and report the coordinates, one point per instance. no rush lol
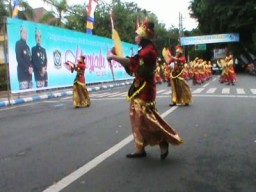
(177, 75)
(143, 103)
(83, 84)
(136, 92)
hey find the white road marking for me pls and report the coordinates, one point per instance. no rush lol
(211, 90)
(225, 91)
(118, 94)
(205, 85)
(167, 92)
(226, 96)
(160, 91)
(253, 91)
(240, 91)
(66, 98)
(66, 181)
(101, 94)
(198, 90)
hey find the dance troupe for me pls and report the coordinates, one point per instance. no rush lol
(148, 127)
(198, 70)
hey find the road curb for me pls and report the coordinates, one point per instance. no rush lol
(5, 103)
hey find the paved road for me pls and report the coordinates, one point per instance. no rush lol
(50, 146)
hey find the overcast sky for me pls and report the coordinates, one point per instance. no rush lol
(167, 11)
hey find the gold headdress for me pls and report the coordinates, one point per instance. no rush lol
(179, 49)
(146, 30)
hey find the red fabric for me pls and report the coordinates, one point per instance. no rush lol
(181, 59)
(80, 68)
(147, 55)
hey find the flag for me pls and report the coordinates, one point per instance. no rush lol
(117, 41)
(167, 55)
(15, 8)
(117, 49)
(90, 15)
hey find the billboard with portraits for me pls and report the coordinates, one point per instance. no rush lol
(37, 54)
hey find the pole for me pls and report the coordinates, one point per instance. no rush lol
(6, 61)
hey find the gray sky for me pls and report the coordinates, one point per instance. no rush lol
(167, 11)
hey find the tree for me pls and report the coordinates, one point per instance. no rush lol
(6, 9)
(3, 11)
(61, 8)
(236, 16)
(27, 12)
(76, 19)
(125, 15)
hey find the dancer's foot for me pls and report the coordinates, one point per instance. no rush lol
(139, 154)
(164, 147)
(172, 104)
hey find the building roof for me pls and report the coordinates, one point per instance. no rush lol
(39, 13)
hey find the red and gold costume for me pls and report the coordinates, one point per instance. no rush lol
(181, 93)
(148, 127)
(209, 69)
(196, 75)
(231, 75)
(166, 53)
(185, 73)
(224, 74)
(158, 75)
(202, 71)
(80, 94)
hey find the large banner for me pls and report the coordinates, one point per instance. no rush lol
(37, 54)
(205, 39)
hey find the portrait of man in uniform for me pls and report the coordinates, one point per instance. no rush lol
(39, 62)
(23, 57)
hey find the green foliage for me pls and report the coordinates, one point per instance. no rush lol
(236, 16)
(76, 20)
(61, 7)
(125, 15)
(3, 10)
(27, 13)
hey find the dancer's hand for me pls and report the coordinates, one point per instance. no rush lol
(109, 58)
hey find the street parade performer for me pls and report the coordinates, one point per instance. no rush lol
(148, 127)
(181, 93)
(80, 94)
(231, 74)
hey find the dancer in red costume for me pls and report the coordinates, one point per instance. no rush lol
(81, 96)
(181, 93)
(148, 127)
(231, 74)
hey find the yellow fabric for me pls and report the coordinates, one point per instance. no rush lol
(166, 55)
(80, 95)
(89, 25)
(181, 93)
(15, 12)
(117, 43)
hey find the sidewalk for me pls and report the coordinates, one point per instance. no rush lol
(20, 98)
